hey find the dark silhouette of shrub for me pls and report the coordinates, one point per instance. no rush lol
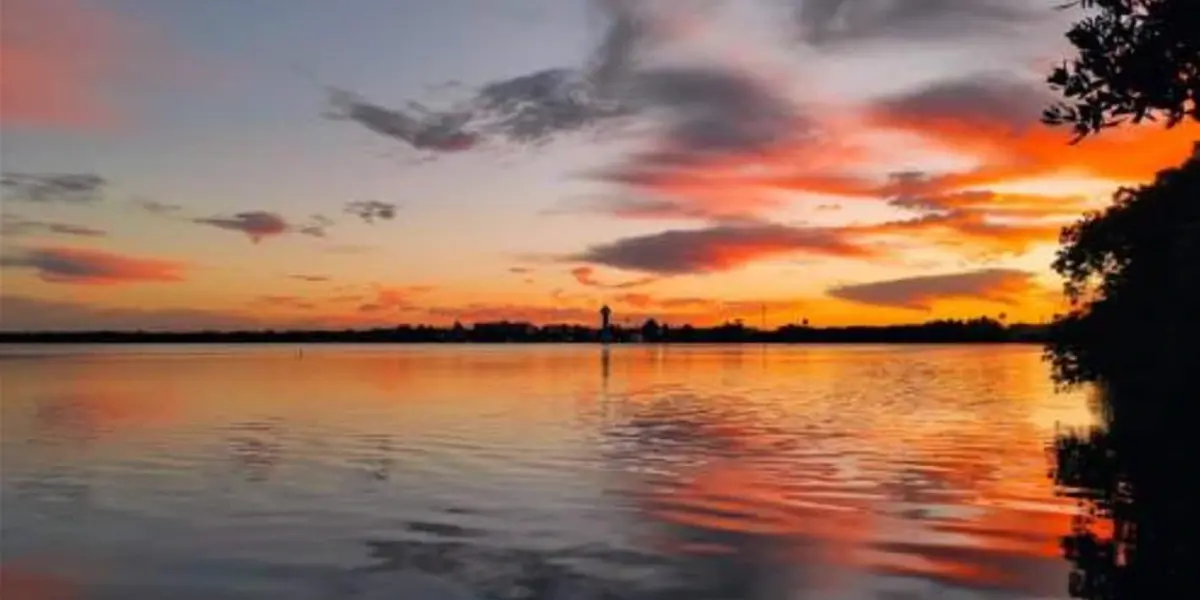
(1137, 60)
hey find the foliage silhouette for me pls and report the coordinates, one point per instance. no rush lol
(1132, 273)
(1137, 59)
(979, 330)
(1135, 477)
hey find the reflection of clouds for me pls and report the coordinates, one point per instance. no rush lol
(693, 465)
(686, 473)
(92, 411)
(67, 417)
(869, 482)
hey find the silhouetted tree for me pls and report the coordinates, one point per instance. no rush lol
(1137, 536)
(1137, 59)
(1133, 277)
(651, 331)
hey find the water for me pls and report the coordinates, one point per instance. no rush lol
(533, 472)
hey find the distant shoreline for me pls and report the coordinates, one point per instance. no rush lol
(149, 342)
(973, 331)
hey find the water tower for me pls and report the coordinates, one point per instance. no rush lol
(605, 331)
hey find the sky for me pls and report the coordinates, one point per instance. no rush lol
(171, 164)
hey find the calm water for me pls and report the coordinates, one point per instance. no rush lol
(533, 472)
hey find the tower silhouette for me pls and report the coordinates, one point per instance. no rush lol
(605, 330)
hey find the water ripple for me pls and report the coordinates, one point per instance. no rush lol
(537, 473)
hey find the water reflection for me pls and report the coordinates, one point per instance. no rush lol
(377, 457)
(255, 448)
(539, 472)
(752, 506)
(1136, 478)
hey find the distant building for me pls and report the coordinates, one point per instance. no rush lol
(605, 327)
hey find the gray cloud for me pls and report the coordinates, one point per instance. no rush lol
(705, 109)
(393, 298)
(708, 110)
(257, 224)
(985, 99)
(260, 224)
(719, 248)
(1004, 286)
(528, 108)
(156, 207)
(17, 226)
(311, 231)
(77, 188)
(536, 107)
(838, 22)
(418, 127)
(316, 226)
(371, 210)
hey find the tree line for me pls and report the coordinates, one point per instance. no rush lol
(979, 330)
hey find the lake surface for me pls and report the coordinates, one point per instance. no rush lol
(532, 472)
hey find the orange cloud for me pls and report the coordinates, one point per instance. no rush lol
(57, 57)
(636, 300)
(586, 276)
(971, 231)
(94, 267)
(993, 120)
(393, 298)
(951, 212)
(726, 186)
(1005, 286)
(996, 121)
(670, 305)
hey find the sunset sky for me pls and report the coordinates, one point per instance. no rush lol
(182, 164)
